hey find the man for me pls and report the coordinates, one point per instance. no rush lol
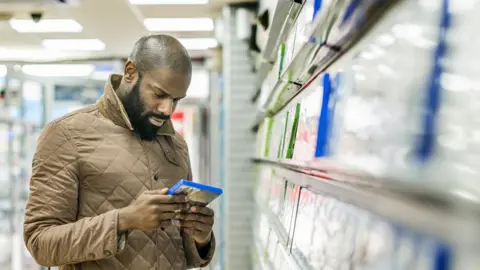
(100, 175)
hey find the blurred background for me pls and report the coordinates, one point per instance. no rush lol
(344, 133)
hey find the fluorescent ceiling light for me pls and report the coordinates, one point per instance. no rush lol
(61, 70)
(3, 71)
(168, 2)
(178, 24)
(74, 44)
(198, 43)
(30, 54)
(46, 26)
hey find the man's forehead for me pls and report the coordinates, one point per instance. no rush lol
(169, 81)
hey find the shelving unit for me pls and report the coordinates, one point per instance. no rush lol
(320, 205)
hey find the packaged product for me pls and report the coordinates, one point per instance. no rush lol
(304, 226)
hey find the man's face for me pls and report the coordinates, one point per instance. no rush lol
(152, 98)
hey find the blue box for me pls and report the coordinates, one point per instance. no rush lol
(196, 192)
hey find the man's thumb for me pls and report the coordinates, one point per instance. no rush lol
(162, 191)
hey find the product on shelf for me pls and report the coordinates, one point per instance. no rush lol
(457, 146)
(264, 181)
(292, 192)
(308, 121)
(290, 131)
(304, 226)
(277, 190)
(386, 83)
(277, 136)
(272, 245)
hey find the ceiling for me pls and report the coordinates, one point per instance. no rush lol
(117, 23)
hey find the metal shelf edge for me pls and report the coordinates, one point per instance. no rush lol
(443, 219)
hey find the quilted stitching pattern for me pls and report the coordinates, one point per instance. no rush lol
(87, 166)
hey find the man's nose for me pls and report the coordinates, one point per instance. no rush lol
(165, 106)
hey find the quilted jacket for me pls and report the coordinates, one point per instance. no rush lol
(90, 163)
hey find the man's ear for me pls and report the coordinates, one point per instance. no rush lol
(130, 71)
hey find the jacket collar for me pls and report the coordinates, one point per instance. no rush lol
(112, 108)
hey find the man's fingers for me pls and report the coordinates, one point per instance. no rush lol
(167, 216)
(200, 218)
(165, 199)
(162, 191)
(172, 208)
(195, 225)
(202, 210)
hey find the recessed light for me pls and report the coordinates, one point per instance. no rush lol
(198, 43)
(178, 24)
(168, 2)
(74, 44)
(46, 26)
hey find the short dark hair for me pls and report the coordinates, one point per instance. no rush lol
(159, 50)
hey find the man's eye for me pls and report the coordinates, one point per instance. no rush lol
(158, 95)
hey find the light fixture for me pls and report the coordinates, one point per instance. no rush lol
(198, 43)
(74, 44)
(178, 24)
(60, 70)
(46, 26)
(168, 2)
(3, 71)
(30, 54)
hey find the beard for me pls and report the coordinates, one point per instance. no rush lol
(139, 118)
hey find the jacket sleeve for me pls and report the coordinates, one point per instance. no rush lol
(51, 232)
(194, 258)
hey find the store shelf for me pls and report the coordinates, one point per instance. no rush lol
(412, 205)
(317, 55)
(262, 71)
(284, 17)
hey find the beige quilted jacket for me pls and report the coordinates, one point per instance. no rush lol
(89, 164)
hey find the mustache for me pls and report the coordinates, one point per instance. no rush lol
(159, 116)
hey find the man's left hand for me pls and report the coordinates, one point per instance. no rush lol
(198, 223)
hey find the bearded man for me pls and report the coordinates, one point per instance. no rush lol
(98, 192)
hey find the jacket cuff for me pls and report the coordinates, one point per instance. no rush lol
(191, 252)
(110, 243)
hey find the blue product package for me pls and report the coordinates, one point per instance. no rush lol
(196, 192)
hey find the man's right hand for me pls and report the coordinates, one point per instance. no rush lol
(151, 210)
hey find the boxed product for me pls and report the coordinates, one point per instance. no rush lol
(457, 144)
(291, 131)
(277, 190)
(304, 225)
(280, 62)
(292, 192)
(264, 183)
(263, 230)
(277, 136)
(272, 245)
(311, 122)
(263, 137)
